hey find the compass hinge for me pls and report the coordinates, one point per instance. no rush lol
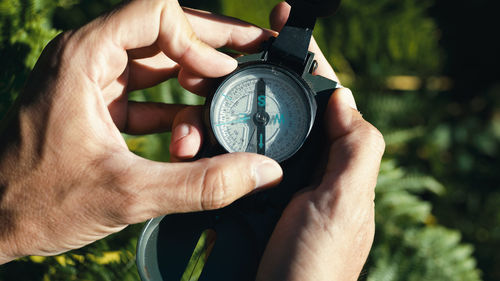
(290, 48)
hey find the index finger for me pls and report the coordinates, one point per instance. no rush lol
(223, 31)
(105, 41)
(148, 66)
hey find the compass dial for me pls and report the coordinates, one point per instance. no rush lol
(262, 109)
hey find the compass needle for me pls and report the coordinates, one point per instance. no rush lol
(260, 116)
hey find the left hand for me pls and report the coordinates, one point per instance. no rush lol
(67, 177)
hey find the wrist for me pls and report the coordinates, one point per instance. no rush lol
(14, 174)
(5, 257)
(11, 232)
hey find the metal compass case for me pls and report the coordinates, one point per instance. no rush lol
(271, 105)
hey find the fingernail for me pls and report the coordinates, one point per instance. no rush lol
(346, 96)
(230, 62)
(180, 132)
(267, 173)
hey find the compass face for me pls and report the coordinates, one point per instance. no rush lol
(262, 109)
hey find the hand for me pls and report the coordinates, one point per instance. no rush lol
(326, 232)
(66, 176)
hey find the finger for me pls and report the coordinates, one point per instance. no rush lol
(221, 31)
(150, 71)
(324, 67)
(155, 188)
(355, 153)
(341, 115)
(279, 15)
(143, 52)
(215, 30)
(140, 24)
(179, 42)
(187, 134)
(195, 84)
(150, 117)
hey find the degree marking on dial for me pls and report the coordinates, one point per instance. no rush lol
(277, 96)
(236, 121)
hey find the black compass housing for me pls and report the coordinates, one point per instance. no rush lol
(243, 228)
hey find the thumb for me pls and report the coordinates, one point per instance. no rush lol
(206, 184)
(356, 149)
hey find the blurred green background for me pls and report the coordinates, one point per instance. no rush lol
(423, 71)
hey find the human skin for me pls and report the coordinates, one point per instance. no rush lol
(67, 178)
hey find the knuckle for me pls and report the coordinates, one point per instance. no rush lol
(191, 41)
(214, 188)
(374, 139)
(65, 46)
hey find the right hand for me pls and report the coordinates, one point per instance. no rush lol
(327, 229)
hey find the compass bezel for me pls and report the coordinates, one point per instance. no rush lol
(301, 84)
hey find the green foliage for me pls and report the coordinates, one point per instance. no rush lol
(200, 255)
(25, 29)
(109, 259)
(367, 41)
(430, 253)
(27, 23)
(408, 244)
(385, 37)
(253, 11)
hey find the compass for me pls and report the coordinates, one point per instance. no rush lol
(262, 108)
(272, 105)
